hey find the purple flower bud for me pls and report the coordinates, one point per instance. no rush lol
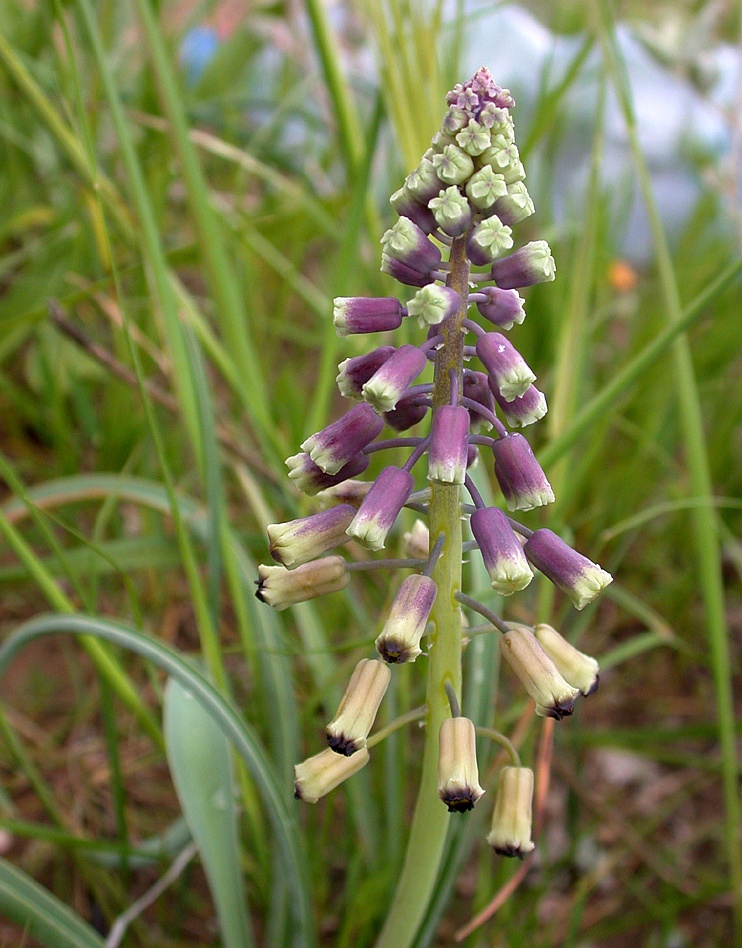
(498, 121)
(476, 387)
(509, 374)
(387, 385)
(453, 165)
(349, 492)
(523, 410)
(399, 640)
(447, 454)
(488, 240)
(406, 206)
(485, 187)
(281, 588)
(451, 211)
(354, 373)
(407, 413)
(523, 483)
(576, 575)
(432, 304)
(423, 183)
(502, 307)
(531, 264)
(357, 314)
(403, 274)
(299, 541)
(502, 553)
(335, 445)
(381, 507)
(408, 244)
(311, 479)
(515, 206)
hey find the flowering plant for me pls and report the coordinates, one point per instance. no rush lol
(461, 204)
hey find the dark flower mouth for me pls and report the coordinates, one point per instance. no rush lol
(347, 746)
(458, 801)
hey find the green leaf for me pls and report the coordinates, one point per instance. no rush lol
(200, 765)
(40, 913)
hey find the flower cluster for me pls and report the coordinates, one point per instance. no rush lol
(452, 243)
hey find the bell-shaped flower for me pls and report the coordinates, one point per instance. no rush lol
(335, 445)
(387, 385)
(554, 697)
(381, 507)
(399, 640)
(299, 541)
(458, 774)
(311, 479)
(510, 834)
(356, 713)
(579, 669)
(509, 374)
(521, 479)
(528, 265)
(362, 314)
(502, 552)
(280, 587)
(320, 774)
(576, 575)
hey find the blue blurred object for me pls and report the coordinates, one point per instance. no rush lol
(197, 50)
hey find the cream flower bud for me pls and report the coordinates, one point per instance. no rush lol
(458, 775)
(554, 697)
(281, 588)
(416, 543)
(355, 716)
(317, 775)
(511, 821)
(578, 669)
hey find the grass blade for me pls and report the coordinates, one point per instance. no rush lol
(200, 765)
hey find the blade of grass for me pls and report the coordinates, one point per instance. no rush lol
(201, 768)
(236, 730)
(706, 536)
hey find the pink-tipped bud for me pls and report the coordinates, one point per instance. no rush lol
(299, 541)
(502, 553)
(508, 371)
(335, 445)
(447, 453)
(381, 507)
(521, 479)
(399, 640)
(576, 575)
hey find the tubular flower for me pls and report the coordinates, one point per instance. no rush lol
(459, 208)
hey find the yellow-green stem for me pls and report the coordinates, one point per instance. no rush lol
(430, 821)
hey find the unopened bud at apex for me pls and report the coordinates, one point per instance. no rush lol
(523, 410)
(576, 575)
(501, 307)
(399, 640)
(508, 371)
(521, 479)
(389, 383)
(416, 543)
(458, 774)
(298, 541)
(405, 205)
(554, 697)
(528, 265)
(514, 206)
(311, 479)
(489, 239)
(453, 165)
(281, 588)
(362, 314)
(336, 444)
(451, 211)
(474, 139)
(355, 716)
(447, 452)
(354, 373)
(484, 188)
(502, 553)
(320, 774)
(511, 820)
(580, 670)
(432, 304)
(381, 507)
(407, 243)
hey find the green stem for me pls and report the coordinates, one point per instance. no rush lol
(430, 820)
